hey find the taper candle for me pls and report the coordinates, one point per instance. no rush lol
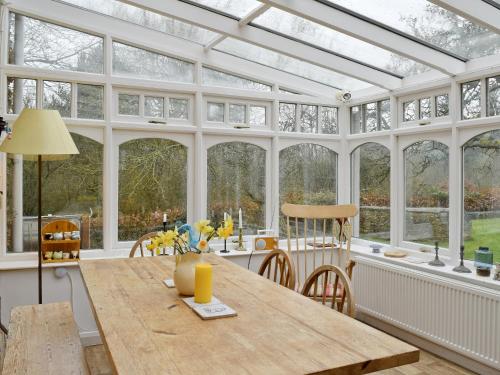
(240, 220)
(164, 217)
(203, 283)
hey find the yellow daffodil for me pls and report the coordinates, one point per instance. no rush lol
(203, 226)
(203, 245)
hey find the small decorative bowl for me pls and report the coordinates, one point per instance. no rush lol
(57, 255)
(48, 255)
(74, 253)
(67, 235)
(376, 248)
(58, 236)
(66, 255)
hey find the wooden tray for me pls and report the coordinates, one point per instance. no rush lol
(395, 254)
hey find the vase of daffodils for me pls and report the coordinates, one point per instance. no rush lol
(189, 244)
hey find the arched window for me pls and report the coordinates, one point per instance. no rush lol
(236, 174)
(481, 173)
(308, 174)
(426, 193)
(371, 191)
(152, 181)
(71, 190)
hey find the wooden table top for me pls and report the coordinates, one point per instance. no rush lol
(147, 329)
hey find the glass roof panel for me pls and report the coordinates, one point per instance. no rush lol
(430, 23)
(237, 8)
(145, 18)
(290, 65)
(310, 32)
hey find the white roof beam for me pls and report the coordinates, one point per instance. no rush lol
(230, 27)
(475, 10)
(361, 29)
(244, 21)
(80, 19)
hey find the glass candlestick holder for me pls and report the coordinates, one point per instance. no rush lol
(241, 245)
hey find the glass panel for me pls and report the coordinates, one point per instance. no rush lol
(426, 191)
(385, 114)
(153, 106)
(482, 194)
(288, 117)
(410, 111)
(442, 105)
(356, 124)
(471, 100)
(178, 108)
(237, 8)
(308, 118)
(370, 117)
(72, 190)
(49, 46)
(146, 18)
(217, 78)
(310, 32)
(152, 181)
(290, 65)
(431, 23)
(137, 62)
(128, 104)
(237, 179)
(425, 108)
(20, 93)
(371, 172)
(329, 120)
(308, 175)
(215, 112)
(57, 95)
(237, 113)
(90, 100)
(257, 115)
(494, 96)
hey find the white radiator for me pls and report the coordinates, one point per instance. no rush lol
(459, 316)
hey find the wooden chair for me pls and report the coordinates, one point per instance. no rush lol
(341, 286)
(325, 230)
(282, 271)
(139, 244)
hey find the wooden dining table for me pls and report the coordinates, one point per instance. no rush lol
(147, 329)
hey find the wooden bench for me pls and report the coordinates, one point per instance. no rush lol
(44, 339)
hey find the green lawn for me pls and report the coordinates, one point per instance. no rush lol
(485, 232)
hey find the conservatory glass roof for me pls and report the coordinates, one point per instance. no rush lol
(344, 44)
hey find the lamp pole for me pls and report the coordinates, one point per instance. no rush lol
(40, 229)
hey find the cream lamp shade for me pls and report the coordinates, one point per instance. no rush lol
(40, 132)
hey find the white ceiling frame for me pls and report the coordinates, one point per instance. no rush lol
(244, 21)
(231, 28)
(80, 19)
(476, 10)
(370, 33)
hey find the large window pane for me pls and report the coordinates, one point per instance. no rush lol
(494, 96)
(178, 108)
(370, 181)
(426, 193)
(370, 117)
(237, 179)
(425, 108)
(442, 105)
(44, 45)
(152, 181)
(329, 117)
(57, 95)
(308, 175)
(90, 101)
(356, 120)
(471, 100)
(288, 117)
(137, 62)
(21, 93)
(153, 106)
(217, 78)
(410, 111)
(308, 118)
(71, 190)
(482, 194)
(385, 114)
(128, 104)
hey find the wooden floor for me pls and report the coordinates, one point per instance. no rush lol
(429, 364)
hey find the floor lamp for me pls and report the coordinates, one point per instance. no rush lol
(39, 134)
